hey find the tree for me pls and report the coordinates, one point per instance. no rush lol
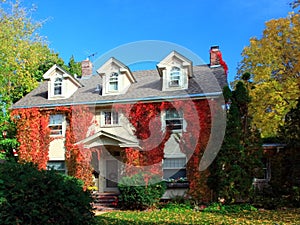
(274, 64)
(74, 67)
(234, 168)
(290, 131)
(23, 52)
(295, 4)
(24, 58)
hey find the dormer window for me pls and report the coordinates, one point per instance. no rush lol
(175, 71)
(58, 86)
(116, 77)
(113, 82)
(61, 85)
(175, 77)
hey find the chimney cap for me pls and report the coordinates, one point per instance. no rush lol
(214, 47)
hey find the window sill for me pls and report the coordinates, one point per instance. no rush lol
(177, 185)
(109, 126)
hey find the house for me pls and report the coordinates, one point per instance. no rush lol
(152, 114)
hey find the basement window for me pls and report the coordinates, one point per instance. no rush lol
(174, 168)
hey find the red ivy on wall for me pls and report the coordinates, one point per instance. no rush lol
(78, 158)
(34, 138)
(33, 135)
(145, 118)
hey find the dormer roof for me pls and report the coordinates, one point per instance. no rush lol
(142, 85)
(61, 85)
(122, 68)
(57, 70)
(175, 57)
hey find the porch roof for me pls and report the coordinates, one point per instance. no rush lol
(111, 137)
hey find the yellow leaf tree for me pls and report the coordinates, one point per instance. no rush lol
(273, 62)
(22, 52)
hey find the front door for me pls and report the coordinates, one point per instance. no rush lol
(112, 174)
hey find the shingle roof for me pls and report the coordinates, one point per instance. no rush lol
(205, 81)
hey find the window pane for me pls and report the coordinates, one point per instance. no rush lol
(113, 86)
(107, 118)
(113, 82)
(111, 118)
(175, 76)
(56, 165)
(174, 173)
(115, 118)
(174, 163)
(174, 119)
(55, 124)
(58, 86)
(56, 119)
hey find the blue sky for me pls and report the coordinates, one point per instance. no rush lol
(81, 28)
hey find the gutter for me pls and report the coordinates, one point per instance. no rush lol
(118, 101)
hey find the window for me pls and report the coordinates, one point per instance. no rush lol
(175, 77)
(266, 170)
(59, 166)
(174, 168)
(56, 124)
(174, 119)
(113, 82)
(58, 86)
(110, 118)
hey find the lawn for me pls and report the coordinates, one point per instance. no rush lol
(187, 216)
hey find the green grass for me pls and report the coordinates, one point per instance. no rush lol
(187, 216)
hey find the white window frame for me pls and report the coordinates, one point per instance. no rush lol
(168, 121)
(56, 125)
(113, 82)
(114, 118)
(58, 86)
(175, 77)
(174, 166)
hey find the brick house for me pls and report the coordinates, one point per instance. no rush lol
(174, 79)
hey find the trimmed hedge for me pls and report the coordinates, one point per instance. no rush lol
(32, 196)
(135, 193)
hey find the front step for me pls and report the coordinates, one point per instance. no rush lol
(104, 201)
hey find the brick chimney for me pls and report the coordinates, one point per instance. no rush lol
(216, 59)
(86, 68)
(214, 56)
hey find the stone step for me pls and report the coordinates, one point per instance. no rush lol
(104, 200)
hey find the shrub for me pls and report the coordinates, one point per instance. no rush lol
(32, 196)
(140, 191)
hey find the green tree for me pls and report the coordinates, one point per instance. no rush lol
(290, 131)
(24, 58)
(234, 168)
(74, 67)
(23, 52)
(274, 64)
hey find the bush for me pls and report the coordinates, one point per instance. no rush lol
(136, 193)
(32, 196)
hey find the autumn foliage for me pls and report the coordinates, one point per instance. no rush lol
(34, 138)
(145, 117)
(33, 135)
